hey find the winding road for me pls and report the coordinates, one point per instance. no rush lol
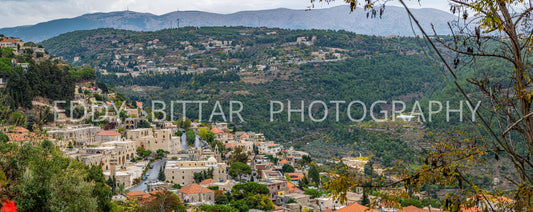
(152, 175)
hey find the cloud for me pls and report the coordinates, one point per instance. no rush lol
(25, 12)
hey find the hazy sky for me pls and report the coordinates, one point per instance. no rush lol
(27, 12)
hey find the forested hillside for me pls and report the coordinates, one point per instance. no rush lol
(259, 65)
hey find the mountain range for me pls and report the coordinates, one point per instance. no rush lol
(393, 21)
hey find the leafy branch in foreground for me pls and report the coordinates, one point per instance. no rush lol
(500, 30)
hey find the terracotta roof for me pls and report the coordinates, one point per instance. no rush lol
(271, 145)
(147, 198)
(8, 40)
(297, 190)
(108, 133)
(356, 208)
(291, 187)
(194, 189)
(139, 104)
(229, 145)
(17, 137)
(258, 143)
(245, 135)
(207, 181)
(283, 161)
(135, 193)
(472, 209)
(217, 131)
(415, 209)
(20, 129)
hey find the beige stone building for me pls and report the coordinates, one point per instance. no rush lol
(155, 139)
(77, 134)
(107, 135)
(120, 151)
(182, 172)
(196, 194)
(277, 188)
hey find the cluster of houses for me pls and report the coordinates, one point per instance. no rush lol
(20, 47)
(131, 58)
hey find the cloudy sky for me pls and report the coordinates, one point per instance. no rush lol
(27, 12)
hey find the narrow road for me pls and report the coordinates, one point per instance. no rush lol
(152, 175)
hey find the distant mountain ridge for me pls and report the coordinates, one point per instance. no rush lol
(394, 21)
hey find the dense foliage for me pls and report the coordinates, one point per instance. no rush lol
(39, 178)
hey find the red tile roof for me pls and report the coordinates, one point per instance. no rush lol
(20, 129)
(147, 198)
(415, 209)
(217, 131)
(356, 208)
(472, 209)
(297, 190)
(17, 137)
(207, 181)
(283, 161)
(291, 187)
(8, 40)
(108, 133)
(135, 194)
(229, 145)
(194, 189)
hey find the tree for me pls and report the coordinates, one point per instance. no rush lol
(39, 178)
(217, 208)
(472, 42)
(314, 174)
(221, 200)
(101, 191)
(238, 155)
(287, 168)
(313, 192)
(164, 201)
(238, 169)
(143, 124)
(206, 135)
(364, 200)
(161, 176)
(260, 201)
(245, 190)
(307, 159)
(191, 137)
(184, 123)
(3, 138)
(368, 169)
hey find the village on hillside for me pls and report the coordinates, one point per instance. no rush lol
(204, 164)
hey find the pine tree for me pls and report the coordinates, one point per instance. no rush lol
(161, 176)
(365, 201)
(314, 175)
